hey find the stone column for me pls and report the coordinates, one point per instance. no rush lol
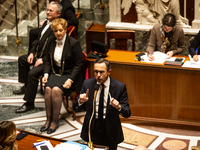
(115, 10)
(196, 21)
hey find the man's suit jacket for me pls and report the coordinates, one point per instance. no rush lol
(38, 44)
(195, 44)
(72, 59)
(112, 122)
(68, 13)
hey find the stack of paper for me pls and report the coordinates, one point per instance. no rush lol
(160, 57)
(43, 143)
(74, 146)
(192, 63)
(70, 145)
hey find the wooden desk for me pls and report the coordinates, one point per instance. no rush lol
(27, 142)
(156, 92)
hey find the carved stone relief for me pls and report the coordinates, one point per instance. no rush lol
(150, 12)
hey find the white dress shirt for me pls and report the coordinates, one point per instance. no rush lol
(106, 94)
(59, 50)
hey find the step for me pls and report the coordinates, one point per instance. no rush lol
(22, 33)
(34, 23)
(8, 44)
(3, 37)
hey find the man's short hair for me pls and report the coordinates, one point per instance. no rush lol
(169, 20)
(103, 60)
(59, 6)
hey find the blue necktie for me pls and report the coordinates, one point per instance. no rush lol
(100, 110)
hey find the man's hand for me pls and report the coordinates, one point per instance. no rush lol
(38, 62)
(169, 54)
(42, 22)
(195, 58)
(45, 78)
(67, 84)
(84, 97)
(115, 104)
(30, 58)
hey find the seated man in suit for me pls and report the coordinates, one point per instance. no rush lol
(35, 58)
(68, 13)
(111, 100)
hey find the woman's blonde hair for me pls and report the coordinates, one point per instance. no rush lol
(59, 21)
(8, 135)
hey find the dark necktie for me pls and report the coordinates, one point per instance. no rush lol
(100, 110)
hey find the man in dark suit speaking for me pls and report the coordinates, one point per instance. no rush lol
(111, 100)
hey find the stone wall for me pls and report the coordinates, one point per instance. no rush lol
(91, 13)
(26, 10)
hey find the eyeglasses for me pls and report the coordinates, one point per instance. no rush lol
(100, 71)
(49, 10)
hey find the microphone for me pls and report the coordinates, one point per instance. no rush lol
(90, 144)
(96, 87)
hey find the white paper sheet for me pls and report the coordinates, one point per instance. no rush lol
(194, 62)
(190, 65)
(66, 146)
(47, 143)
(160, 57)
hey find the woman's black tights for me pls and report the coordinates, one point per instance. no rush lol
(53, 103)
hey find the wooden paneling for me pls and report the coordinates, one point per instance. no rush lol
(157, 91)
(27, 142)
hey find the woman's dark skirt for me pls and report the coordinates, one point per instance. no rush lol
(58, 81)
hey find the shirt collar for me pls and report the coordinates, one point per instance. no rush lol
(48, 22)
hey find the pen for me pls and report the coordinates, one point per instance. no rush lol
(147, 53)
(196, 51)
(40, 140)
(38, 144)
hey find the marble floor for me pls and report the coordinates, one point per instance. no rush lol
(153, 136)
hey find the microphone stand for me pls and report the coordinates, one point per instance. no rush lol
(90, 144)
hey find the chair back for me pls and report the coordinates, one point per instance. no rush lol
(85, 68)
(73, 30)
(121, 39)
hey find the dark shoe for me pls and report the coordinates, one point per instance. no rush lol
(49, 130)
(24, 108)
(20, 91)
(43, 128)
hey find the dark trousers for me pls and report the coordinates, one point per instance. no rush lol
(33, 34)
(29, 77)
(101, 138)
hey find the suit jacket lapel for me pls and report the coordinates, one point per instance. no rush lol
(47, 33)
(52, 50)
(45, 23)
(65, 49)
